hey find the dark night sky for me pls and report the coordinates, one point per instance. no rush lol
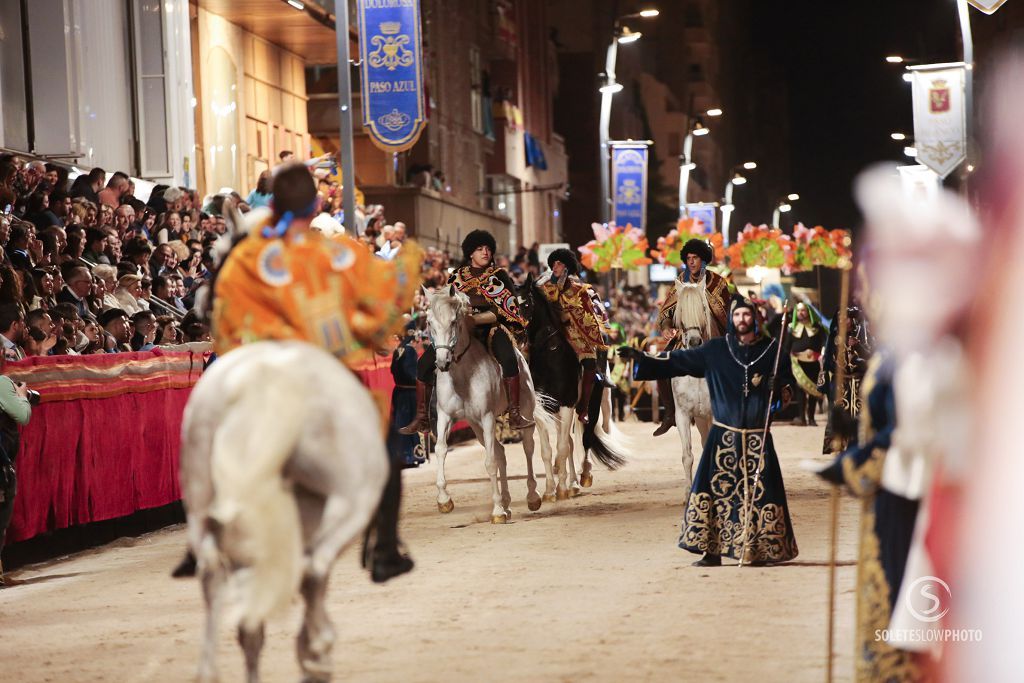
(844, 99)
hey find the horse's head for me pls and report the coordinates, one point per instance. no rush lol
(692, 338)
(237, 228)
(445, 321)
(525, 298)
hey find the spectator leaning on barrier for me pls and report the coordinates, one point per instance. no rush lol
(15, 409)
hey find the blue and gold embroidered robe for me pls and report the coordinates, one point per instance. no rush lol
(715, 518)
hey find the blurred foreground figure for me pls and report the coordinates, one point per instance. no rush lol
(979, 541)
(920, 259)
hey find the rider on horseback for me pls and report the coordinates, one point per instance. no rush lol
(698, 255)
(285, 281)
(496, 320)
(584, 320)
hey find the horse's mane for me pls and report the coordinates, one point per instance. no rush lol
(692, 309)
(238, 227)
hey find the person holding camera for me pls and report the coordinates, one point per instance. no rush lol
(16, 401)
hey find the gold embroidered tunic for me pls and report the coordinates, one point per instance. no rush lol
(585, 327)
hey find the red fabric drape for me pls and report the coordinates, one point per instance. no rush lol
(104, 442)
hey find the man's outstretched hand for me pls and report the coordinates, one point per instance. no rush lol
(628, 353)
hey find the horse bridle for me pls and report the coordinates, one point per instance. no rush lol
(456, 357)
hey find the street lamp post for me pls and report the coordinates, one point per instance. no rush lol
(783, 206)
(609, 88)
(735, 178)
(698, 129)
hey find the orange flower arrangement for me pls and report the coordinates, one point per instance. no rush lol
(686, 229)
(615, 247)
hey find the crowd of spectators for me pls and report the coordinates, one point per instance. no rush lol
(89, 268)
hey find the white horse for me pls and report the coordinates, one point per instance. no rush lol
(469, 387)
(692, 398)
(282, 464)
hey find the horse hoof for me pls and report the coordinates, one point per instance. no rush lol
(445, 508)
(549, 498)
(575, 491)
(586, 480)
(533, 504)
(562, 494)
(498, 519)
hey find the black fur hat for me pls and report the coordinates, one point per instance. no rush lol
(699, 247)
(566, 258)
(476, 239)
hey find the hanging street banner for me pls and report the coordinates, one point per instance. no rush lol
(629, 184)
(390, 48)
(706, 214)
(986, 6)
(940, 126)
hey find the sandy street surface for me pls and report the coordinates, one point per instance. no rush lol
(592, 589)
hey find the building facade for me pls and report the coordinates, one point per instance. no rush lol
(99, 83)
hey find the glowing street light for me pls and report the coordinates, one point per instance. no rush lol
(793, 196)
(620, 34)
(910, 152)
(628, 36)
(894, 59)
(738, 180)
(714, 112)
(898, 136)
(750, 165)
(700, 129)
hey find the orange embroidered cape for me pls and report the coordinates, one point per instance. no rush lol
(331, 292)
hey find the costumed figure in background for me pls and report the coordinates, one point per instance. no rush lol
(737, 504)
(806, 339)
(406, 450)
(844, 413)
(284, 281)
(497, 323)
(913, 419)
(584, 320)
(697, 255)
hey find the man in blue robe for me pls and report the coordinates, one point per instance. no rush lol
(737, 504)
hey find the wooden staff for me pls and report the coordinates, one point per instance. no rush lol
(748, 498)
(838, 394)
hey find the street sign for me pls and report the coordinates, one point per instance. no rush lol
(390, 48)
(706, 214)
(629, 184)
(986, 6)
(940, 126)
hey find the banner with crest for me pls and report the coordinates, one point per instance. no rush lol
(629, 184)
(940, 125)
(390, 48)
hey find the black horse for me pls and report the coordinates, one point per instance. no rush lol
(556, 375)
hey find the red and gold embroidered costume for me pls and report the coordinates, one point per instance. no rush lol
(585, 326)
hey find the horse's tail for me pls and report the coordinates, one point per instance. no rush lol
(609, 449)
(541, 412)
(253, 516)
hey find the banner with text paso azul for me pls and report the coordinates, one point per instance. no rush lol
(629, 185)
(390, 47)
